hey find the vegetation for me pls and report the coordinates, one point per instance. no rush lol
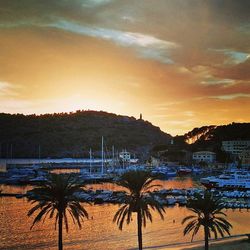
(56, 198)
(210, 137)
(138, 200)
(71, 135)
(207, 214)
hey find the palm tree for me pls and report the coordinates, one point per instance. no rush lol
(56, 197)
(137, 199)
(208, 214)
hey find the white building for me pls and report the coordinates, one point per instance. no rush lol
(235, 147)
(205, 156)
(245, 157)
(125, 156)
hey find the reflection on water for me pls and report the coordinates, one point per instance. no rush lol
(12, 189)
(178, 182)
(99, 229)
(65, 171)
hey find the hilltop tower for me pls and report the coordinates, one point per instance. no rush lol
(140, 116)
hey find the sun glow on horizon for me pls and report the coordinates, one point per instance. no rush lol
(72, 56)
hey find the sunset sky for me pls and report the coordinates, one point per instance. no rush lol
(181, 63)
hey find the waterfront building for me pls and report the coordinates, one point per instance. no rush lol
(235, 147)
(125, 156)
(245, 157)
(204, 156)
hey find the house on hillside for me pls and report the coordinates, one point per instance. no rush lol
(204, 156)
(245, 157)
(236, 147)
(125, 156)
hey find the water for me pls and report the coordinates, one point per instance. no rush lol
(99, 232)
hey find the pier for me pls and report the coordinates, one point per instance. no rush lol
(26, 161)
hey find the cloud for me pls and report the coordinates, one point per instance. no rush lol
(238, 72)
(12, 105)
(233, 57)
(216, 81)
(146, 46)
(94, 3)
(231, 96)
(8, 89)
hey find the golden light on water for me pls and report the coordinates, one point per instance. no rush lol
(99, 228)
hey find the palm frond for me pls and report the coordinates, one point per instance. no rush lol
(57, 194)
(188, 218)
(207, 212)
(138, 197)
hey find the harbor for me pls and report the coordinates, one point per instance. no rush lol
(161, 234)
(93, 171)
(175, 185)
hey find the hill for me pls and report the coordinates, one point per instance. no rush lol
(210, 135)
(73, 134)
(204, 138)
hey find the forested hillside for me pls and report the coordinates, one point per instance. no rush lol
(211, 137)
(67, 135)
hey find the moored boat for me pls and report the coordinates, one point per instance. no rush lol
(184, 171)
(239, 180)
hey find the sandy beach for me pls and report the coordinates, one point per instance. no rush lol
(230, 243)
(240, 244)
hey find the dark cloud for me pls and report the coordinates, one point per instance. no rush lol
(239, 71)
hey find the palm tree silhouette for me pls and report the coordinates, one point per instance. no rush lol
(208, 214)
(56, 198)
(137, 199)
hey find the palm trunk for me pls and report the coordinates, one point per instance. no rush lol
(206, 237)
(60, 227)
(139, 227)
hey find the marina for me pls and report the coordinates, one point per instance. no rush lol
(231, 184)
(158, 234)
(232, 179)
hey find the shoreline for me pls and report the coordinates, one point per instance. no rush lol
(239, 242)
(229, 244)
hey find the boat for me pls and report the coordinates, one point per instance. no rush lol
(164, 172)
(38, 179)
(184, 171)
(233, 180)
(197, 170)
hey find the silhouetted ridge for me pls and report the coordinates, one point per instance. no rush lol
(233, 131)
(73, 134)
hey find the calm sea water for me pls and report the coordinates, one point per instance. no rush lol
(99, 232)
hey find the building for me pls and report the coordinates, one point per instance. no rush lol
(204, 156)
(245, 158)
(235, 147)
(3, 166)
(125, 156)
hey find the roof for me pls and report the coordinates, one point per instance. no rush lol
(204, 152)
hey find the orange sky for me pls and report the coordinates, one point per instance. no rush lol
(182, 64)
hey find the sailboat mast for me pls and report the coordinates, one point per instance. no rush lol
(113, 156)
(39, 153)
(102, 157)
(90, 161)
